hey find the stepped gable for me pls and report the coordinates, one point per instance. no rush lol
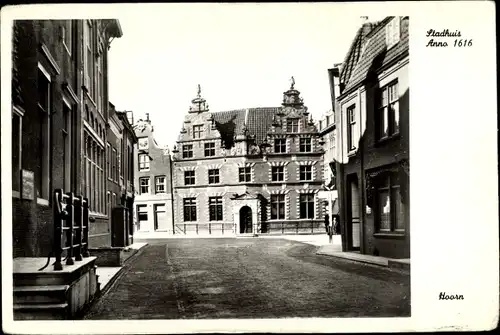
(375, 54)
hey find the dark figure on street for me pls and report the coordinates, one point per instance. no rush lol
(336, 226)
(330, 232)
(327, 222)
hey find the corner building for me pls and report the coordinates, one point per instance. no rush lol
(249, 171)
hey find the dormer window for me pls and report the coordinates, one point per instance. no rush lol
(198, 131)
(292, 125)
(392, 32)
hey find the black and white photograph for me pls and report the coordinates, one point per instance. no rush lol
(226, 162)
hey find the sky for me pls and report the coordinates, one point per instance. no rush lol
(242, 55)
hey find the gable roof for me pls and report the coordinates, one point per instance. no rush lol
(376, 55)
(258, 122)
(354, 53)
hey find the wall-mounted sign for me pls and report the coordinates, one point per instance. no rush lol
(28, 181)
(368, 210)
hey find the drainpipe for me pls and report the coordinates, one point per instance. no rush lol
(362, 175)
(171, 191)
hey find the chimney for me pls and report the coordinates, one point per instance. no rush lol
(147, 118)
(333, 76)
(363, 19)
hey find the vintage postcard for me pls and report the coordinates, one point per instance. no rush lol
(250, 167)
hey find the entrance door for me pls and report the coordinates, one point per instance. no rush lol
(353, 218)
(160, 217)
(245, 220)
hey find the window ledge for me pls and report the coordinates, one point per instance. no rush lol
(390, 235)
(16, 194)
(385, 139)
(351, 152)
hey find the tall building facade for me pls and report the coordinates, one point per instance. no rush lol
(120, 172)
(59, 117)
(373, 148)
(153, 183)
(248, 171)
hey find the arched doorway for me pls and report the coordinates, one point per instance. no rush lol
(245, 220)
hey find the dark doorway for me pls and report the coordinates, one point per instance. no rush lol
(245, 220)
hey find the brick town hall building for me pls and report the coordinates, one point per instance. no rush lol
(248, 171)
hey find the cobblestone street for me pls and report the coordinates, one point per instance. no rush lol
(249, 278)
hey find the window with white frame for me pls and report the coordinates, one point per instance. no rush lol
(17, 122)
(187, 151)
(351, 127)
(108, 160)
(278, 173)
(160, 184)
(189, 177)
(292, 125)
(389, 212)
(213, 176)
(94, 174)
(44, 106)
(306, 206)
(305, 172)
(215, 208)
(67, 35)
(144, 185)
(209, 149)
(388, 111)
(392, 32)
(189, 205)
(277, 207)
(280, 145)
(245, 174)
(198, 131)
(89, 58)
(143, 162)
(305, 144)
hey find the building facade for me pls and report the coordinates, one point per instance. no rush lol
(153, 185)
(327, 131)
(248, 171)
(373, 148)
(120, 152)
(59, 116)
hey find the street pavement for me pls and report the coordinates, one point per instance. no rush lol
(249, 278)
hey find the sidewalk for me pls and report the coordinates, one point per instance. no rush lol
(106, 275)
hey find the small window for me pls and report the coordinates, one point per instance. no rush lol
(351, 127)
(389, 211)
(215, 208)
(306, 172)
(392, 32)
(245, 174)
(144, 185)
(143, 143)
(307, 206)
(278, 207)
(305, 145)
(189, 205)
(278, 173)
(187, 151)
(143, 162)
(388, 111)
(142, 214)
(280, 145)
(189, 177)
(213, 176)
(292, 125)
(198, 131)
(160, 184)
(209, 149)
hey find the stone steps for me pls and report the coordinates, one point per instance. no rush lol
(57, 311)
(43, 294)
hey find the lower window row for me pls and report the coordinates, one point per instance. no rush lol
(306, 208)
